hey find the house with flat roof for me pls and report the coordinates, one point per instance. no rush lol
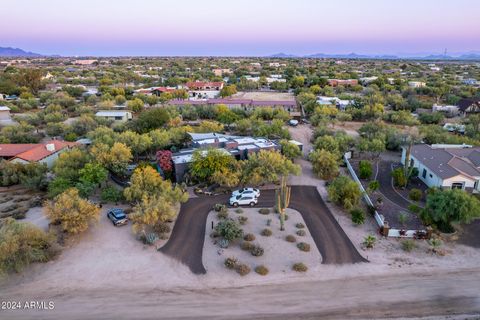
(45, 153)
(447, 166)
(115, 115)
(238, 147)
(4, 113)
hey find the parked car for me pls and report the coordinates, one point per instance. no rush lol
(117, 216)
(293, 123)
(246, 192)
(243, 200)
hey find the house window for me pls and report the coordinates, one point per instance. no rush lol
(457, 185)
(431, 175)
(118, 118)
(424, 173)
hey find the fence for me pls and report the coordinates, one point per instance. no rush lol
(380, 219)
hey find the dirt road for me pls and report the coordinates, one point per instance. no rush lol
(413, 295)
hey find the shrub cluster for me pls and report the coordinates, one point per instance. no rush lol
(264, 211)
(231, 262)
(242, 220)
(246, 245)
(242, 269)
(300, 225)
(249, 237)
(257, 251)
(300, 267)
(303, 246)
(358, 216)
(266, 232)
(301, 233)
(291, 238)
(261, 270)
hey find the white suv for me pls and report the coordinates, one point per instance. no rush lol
(246, 192)
(243, 200)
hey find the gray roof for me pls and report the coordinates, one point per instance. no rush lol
(448, 162)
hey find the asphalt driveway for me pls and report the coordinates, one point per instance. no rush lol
(188, 234)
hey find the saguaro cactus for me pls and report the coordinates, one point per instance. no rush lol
(282, 197)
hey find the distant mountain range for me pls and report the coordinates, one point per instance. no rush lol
(465, 56)
(16, 52)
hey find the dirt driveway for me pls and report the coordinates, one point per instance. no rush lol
(186, 241)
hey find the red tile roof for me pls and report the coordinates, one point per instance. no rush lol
(33, 152)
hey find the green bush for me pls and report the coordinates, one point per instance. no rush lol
(365, 169)
(231, 262)
(249, 237)
(303, 246)
(229, 230)
(266, 232)
(415, 194)
(222, 214)
(246, 245)
(257, 251)
(358, 216)
(345, 192)
(111, 194)
(414, 208)
(291, 238)
(408, 245)
(264, 211)
(242, 269)
(399, 178)
(22, 244)
(300, 267)
(300, 225)
(262, 270)
(301, 233)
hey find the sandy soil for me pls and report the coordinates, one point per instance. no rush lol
(106, 273)
(260, 95)
(279, 254)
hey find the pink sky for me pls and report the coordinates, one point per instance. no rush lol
(247, 27)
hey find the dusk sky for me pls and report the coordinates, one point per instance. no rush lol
(246, 27)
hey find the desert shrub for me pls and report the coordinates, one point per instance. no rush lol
(414, 208)
(231, 262)
(150, 238)
(291, 238)
(399, 178)
(229, 229)
(264, 211)
(22, 244)
(239, 211)
(161, 228)
(365, 169)
(266, 232)
(300, 225)
(369, 241)
(303, 246)
(242, 220)
(345, 192)
(163, 236)
(111, 194)
(301, 233)
(415, 194)
(408, 245)
(223, 243)
(249, 237)
(257, 251)
(219, 207)
(358, 216)
(246, 245)
(300, 267)
(242, 269)
(262, 270)
(222, 214)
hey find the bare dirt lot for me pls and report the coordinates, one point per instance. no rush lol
(267, 96)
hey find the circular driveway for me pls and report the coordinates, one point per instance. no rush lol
(188, 234)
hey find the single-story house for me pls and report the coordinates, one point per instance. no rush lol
(45, 153)
(471, 105)
(115, 115)
(447, 166)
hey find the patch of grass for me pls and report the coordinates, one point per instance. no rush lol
(261, 270)
(291, 238)
(300, 267)
(408, 245)
(303, 246)
(266, 232)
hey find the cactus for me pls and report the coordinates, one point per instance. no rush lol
(151, 238)
(282, 197)
(223, 243)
